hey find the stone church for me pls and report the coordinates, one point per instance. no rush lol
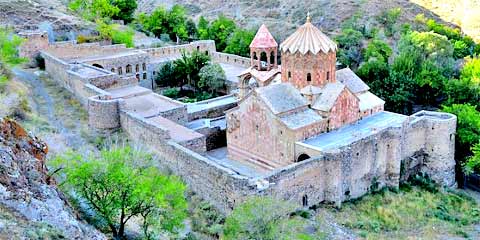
(304, 97)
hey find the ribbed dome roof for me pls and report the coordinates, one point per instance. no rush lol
(308, 38)
(263, 39)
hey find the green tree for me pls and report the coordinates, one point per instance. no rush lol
(349, 43)
(166, 75)
(115, 33)
(126, 9)
(92, 10)
(203, 26)
(192, 29)
(212, 77)
(220, 30)
(468, 129)
(377, 49)
(263, 218)
(239, 42)
(188, 66)
(472, 165)
(467, 88)
(177, 27)
(120, 184)
(9, 44)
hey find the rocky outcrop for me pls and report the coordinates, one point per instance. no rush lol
(26, 188)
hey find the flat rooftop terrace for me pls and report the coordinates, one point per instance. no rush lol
(129, 91)
(211, 103)
(90, 72)
(219, 156)
(150, 105)
(232, 71)
(178, 133)
(348, 134)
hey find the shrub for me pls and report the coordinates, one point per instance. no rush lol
(220, 30)
(349, 43)
(212, 77)
(468, 129)
(114, 33)
(171, 92)
(263, 218)
(472, 165)
(126, 9)
(239, 42)
(389, 20)
(460, 49)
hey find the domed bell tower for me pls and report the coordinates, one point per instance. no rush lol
(308, 57)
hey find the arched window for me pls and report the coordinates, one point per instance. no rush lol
(112, 70)
(289, 75)
(120, 72)
(206, 52)
(255, 56)
(144, 67)
(272, 58)
(309, 77)
(328, 75)
(137, 68)
(128, 68)
(302, 157)
(144, 76)
(198, 48)
(305, 200)
(138, 77)
(263, 60)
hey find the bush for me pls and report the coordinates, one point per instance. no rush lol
(460, 49)
(239, 42)
(389, 20)
(468, 129)
(166, 75)
(467, 88)
(126, 10)
(171, 92)
(349, 43)
(263, 218)
(114, 33)
(472, 165)
(212, 77)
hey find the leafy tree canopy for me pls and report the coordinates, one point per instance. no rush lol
(126, 9)
(212, 77)
(9, 43)
(92, 10)
(120, 184)
(220, 30)
(239, 42)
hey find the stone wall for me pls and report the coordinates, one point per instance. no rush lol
(103, 112)
(205, 46)
(232, 59)
(212, 112)
(72, 50)
(36, 42)
(220, 186)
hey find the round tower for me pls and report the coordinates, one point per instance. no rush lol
(308, 57)
(263, 50)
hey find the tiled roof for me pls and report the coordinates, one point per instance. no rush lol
(301, 119)
(263, 39)
(369, 100)
(311, 90)
(351, 80)
(281, 97)
(329, 95)
(308, 38)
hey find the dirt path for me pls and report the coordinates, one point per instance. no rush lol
(67, 128)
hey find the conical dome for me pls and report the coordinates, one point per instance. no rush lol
(263, 39)
(308, 38)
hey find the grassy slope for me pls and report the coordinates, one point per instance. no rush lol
(412, 213)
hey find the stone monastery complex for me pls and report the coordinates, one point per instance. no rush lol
(301, 131)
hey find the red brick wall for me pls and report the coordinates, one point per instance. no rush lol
(346, 110)
(300, 65)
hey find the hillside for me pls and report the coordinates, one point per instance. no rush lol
(282, 16)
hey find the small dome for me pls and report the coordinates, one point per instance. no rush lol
(263, 39)
(308, 38)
